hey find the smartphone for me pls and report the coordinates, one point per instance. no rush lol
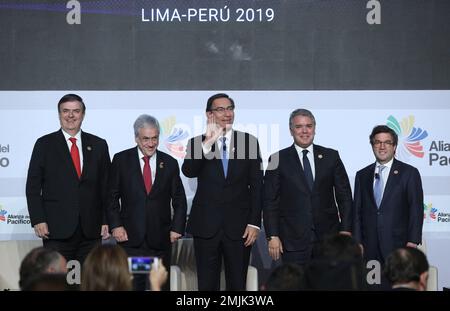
(142, 264)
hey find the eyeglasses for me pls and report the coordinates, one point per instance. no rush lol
(222, 109)
(378, 143)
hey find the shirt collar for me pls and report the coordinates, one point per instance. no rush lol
(141, 155)
(67, 135)
(388, 164)
(227, 136)
(299, 149)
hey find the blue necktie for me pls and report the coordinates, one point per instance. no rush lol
(378, 186)
(224, 156)
(307, 170)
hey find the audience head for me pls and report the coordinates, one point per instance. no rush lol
(106, 269)
(49, 282)
(40, 261)
(286, 277)
(338, 265)
(407, 267)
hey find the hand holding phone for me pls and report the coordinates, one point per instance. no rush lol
(142, 265)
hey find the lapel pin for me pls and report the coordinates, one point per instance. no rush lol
(89, 148)
(395, 172)
(320, 156)
(161, 165)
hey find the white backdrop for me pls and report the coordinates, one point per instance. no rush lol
(344, 122)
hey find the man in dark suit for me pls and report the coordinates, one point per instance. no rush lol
(226, 211)
(67, 185)
(144, 186)
(307, 194)
(388, 203)
(407, 269)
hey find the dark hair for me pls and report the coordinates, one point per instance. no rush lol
(71, 98)
(216, 96)
(338, 266)
(405, 265)
(303, 113)
(288, 276)
(36, 262)
(339, 247)
(383, 129)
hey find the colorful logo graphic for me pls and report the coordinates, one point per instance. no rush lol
(2, 214)
(175, 142)
(409, 137)
(430, 211)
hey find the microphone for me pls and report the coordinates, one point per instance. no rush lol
(377, 176)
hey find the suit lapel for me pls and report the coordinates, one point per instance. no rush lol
(87, 155)
(319, 158)
(393, 179)
(160, 172)
(231, 155)
(135, 169)
(369, 176)
(63, 150)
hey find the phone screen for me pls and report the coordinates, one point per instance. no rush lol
(141, 264)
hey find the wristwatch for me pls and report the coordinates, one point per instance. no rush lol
(269, 238)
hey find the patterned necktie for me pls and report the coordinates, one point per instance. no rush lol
(75, 154)
(307, 170)
(378, 185)
(147, 174)
(224, 156)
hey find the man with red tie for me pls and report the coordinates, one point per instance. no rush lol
(66, 185)
(144, 186)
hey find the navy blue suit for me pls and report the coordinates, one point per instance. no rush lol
(292, 210)
(400, 217)
(223, 207)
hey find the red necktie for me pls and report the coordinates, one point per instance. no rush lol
(75, 156)
(147, 174)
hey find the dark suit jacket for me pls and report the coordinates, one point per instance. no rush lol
(229, 203)
(146, 216)
(400, 217)
(291, 209)
(54, 193)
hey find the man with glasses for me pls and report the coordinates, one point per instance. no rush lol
(388, 201)
(67, 184)
(226, 211)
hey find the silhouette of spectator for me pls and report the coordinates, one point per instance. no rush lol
(106, 269)
(48, 282)
(286, 277)
(40, 261)
(407, 269)
(338, 265)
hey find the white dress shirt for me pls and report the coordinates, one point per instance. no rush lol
(78, 143)
(385, 173)
(310, 156)
(152, 163)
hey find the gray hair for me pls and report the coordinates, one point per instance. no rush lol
(37, 262)
(301, 112)
(145, 120)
